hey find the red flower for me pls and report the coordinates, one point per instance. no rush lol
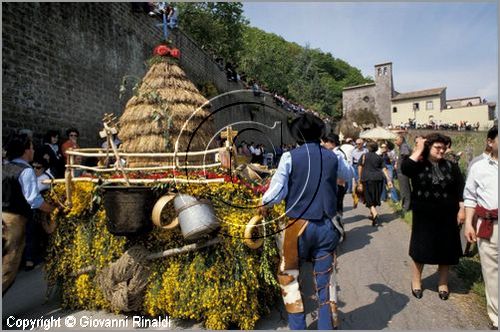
(175, 52)
(161, 50)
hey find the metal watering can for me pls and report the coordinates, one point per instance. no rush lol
(195, 218)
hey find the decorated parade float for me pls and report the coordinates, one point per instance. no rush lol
(158, 226)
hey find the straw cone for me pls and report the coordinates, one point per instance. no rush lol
(166, 103)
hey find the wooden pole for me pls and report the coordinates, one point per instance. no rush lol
(117, 156)
(154, 168)
(98, 152)
(161, 254)
(135, 181)
(68, 176)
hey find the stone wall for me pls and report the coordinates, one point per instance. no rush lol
(384, 91)
(361, 98)
(375, 97)
(63, 64)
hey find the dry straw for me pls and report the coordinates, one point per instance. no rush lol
(165, 104)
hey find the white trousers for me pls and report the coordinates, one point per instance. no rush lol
(488, 252)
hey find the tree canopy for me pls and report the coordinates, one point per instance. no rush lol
(301, 74)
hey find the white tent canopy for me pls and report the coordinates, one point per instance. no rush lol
(378, 133)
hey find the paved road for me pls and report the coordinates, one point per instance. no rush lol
(374, 287)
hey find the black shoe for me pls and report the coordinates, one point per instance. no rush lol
(418, 293)
(493, 327)
(444, 295)
(375, 221)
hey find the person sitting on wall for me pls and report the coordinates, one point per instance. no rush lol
(172, 16)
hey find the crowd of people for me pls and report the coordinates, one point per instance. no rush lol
(431, 185)
(258, 89)
(31, 163)
(439, 125)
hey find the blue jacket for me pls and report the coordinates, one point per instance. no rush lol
(312, 184)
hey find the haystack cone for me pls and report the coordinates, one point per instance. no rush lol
(165, 104)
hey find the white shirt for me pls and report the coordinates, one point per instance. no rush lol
(46, 175)
(344, 170)
(29, 185)
(278, 188)
(348, 148)
(476, 159)
(481, 187)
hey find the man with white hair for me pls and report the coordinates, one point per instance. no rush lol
(357, 153)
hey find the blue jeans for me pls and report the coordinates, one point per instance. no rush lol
(394, 193)
(317, 243)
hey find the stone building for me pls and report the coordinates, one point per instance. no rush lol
(375, 97)
(423, 106)
(431, 107)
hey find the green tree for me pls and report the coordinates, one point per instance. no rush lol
(303, 75)
(215, 26)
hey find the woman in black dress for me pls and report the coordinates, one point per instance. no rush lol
(372, 171)
(52, 154)
(437, 187)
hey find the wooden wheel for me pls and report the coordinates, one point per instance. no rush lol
(158, 208)
(249, 241)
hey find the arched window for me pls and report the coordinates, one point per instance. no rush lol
(379, 71)
(394, 110)
(385, 71)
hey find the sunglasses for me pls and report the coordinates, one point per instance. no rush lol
(37, 167)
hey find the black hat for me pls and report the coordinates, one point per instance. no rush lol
(307, 127)
(334, 138)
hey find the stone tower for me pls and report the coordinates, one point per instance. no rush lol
(384, 91)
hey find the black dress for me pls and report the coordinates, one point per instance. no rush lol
(56, 160)
(372, 177)
(437, 190)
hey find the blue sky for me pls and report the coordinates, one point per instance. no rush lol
(430, 44)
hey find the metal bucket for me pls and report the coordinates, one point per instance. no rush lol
(196, 217)
(128, 209)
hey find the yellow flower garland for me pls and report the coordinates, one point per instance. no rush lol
(221, 285)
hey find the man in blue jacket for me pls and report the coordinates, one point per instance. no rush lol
(306, 178)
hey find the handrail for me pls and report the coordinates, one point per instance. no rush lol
(138, 181)
(155, 168)
(104, 152)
